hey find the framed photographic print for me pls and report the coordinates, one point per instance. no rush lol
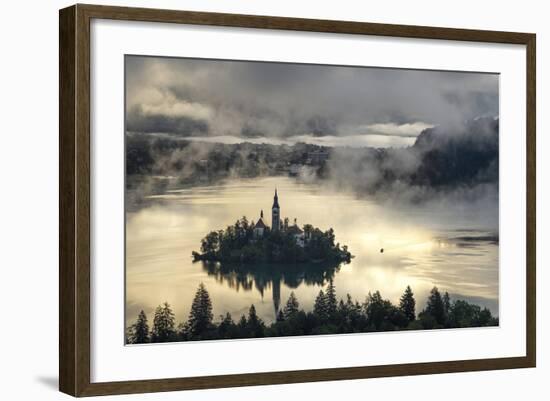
(240, 194)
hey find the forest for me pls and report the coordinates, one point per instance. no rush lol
(329, 316)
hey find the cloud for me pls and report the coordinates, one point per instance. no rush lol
(282, 100)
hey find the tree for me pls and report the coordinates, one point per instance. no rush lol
(227, 328)
(378, 311)
(435, 306)
(242, 327)
(200, 316)
(139, 332)
(237, 244)
(446, 304)
(163, 324)
(464, 314)
(407, 304)
(350, 314)
(292, 306)
(255, 325)
(210, 243)
(320, 307)
(486, 319)
(129, 335)
(332, 303)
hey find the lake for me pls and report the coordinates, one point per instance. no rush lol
(451, 245)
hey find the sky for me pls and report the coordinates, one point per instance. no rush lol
(235, 101)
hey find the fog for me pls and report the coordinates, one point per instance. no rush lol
(352, 141)
(256, 116)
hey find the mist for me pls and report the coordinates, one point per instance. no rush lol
(402, 137)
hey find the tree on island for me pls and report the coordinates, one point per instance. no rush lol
(240, 243)
(210, 243)
(163, 325)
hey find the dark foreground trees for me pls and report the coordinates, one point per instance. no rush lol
(200, 316)
(138, 333)
(164, 325)
(329, 316)
(407, 304)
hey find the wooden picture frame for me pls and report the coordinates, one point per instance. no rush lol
(74, 199)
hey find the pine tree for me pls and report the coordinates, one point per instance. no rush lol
(332, 303)
(200, 316)
(255, 325)
(320, 307)
(227, 327)
(280, 316)
(243, 327)
(376, 310)
(129, 334)
(350, 312)
(407, 304)
(435, 306)
(163, 324)
(292, 306)
(140, 329)
(446, 303)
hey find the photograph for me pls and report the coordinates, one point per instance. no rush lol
(271, 199)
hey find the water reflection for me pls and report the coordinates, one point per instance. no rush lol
(451, 245)
(263, 277)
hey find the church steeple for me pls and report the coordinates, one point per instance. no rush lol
(275, 213)
(276, 200)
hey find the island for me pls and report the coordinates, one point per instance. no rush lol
(256, 242)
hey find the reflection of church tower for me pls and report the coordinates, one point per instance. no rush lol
(275, 213)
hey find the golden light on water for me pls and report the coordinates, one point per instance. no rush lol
(388, 240)
(418, 246)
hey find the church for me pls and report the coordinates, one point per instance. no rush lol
(277, 224)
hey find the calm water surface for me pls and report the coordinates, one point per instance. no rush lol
(452, 247)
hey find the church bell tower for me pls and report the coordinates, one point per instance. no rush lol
(275, 213)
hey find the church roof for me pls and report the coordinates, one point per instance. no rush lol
(260, 224)
(295, 230)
